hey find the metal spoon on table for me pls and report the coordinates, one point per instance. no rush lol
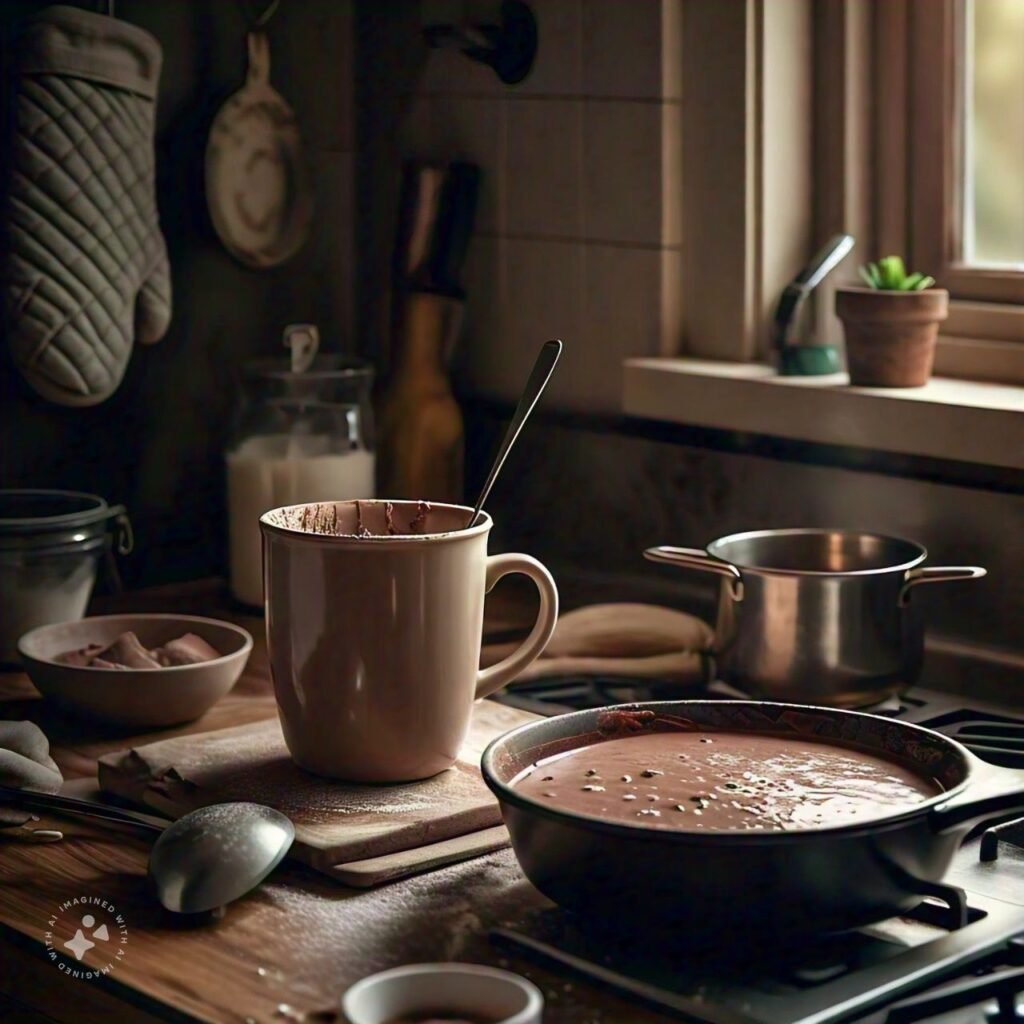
(535, 385)
(205, 859)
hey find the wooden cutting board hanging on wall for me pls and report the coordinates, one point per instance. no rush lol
(258, 187)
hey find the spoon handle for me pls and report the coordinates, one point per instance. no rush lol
(29, 801)
(535, 385)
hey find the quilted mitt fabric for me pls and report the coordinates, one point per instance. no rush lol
(87, 268)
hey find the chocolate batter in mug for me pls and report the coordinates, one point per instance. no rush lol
(374, 622)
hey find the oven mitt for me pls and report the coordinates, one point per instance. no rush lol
(25, 763)
(87, 269)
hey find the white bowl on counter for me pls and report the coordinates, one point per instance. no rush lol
(448, 989)
(144, 697)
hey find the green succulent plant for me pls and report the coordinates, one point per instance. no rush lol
(890, 275)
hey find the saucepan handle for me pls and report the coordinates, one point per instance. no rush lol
(695, 558)
(938, 574)
(998, 791)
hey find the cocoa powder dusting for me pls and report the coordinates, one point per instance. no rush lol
(331, 519)
(361, 530)
(319, 518)
(422, 511)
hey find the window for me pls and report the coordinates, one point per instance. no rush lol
(900, 122)
(964, 131)
(991, 86)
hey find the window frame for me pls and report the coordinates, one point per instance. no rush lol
(861, 78)
(855, 66)
(932, 124)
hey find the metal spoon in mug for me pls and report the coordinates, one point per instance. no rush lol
(535, 385)
(205, 859)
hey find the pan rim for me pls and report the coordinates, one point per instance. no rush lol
(508, 794)
(716, 548)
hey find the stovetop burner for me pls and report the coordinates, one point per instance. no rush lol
(957, 959)
(555, 695)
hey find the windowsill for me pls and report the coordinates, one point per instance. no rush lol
(967, 421)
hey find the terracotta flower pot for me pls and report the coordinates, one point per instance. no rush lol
(890, 336)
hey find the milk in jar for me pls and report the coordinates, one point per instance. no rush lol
(300, 436)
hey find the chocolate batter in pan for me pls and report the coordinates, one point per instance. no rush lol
(725, 781)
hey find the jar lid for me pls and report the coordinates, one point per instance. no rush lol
(323, 367)
(45, 516)
(37, 510)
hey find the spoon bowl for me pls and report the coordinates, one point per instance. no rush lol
(205, 859)
(216, 854)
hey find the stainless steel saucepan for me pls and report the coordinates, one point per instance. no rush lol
(817, 616)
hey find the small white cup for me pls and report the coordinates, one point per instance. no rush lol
(450, 988)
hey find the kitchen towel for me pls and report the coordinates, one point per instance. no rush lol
(25, 763)
(636, 641)
(87, 270)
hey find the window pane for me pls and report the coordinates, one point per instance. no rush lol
(994, 132)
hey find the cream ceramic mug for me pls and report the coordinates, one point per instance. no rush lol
(374, 621)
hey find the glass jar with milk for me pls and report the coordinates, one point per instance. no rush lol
(301, 435)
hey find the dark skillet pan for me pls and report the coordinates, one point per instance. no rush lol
(803, 881)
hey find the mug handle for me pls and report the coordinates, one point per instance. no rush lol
(489, 680)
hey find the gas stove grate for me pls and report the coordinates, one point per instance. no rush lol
(991, 992)
(557, 695)
(998, 740)
(1009, 832)
(900, 971)
(991, 733)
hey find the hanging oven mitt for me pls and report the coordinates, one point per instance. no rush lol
(25, 763)
(87, 269)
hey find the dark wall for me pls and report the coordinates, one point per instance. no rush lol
(157, 444)
(389, 58)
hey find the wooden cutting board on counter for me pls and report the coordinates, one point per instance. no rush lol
(359, 834)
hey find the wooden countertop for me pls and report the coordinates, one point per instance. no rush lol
(298, 942)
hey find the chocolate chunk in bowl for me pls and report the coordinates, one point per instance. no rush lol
(136, 670)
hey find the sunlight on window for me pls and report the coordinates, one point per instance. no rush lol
(994, 132)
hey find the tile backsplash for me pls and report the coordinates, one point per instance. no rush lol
(578, 231)
(580, 236)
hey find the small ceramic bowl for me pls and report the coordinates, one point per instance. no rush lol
(443, 990)
(152, 697)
